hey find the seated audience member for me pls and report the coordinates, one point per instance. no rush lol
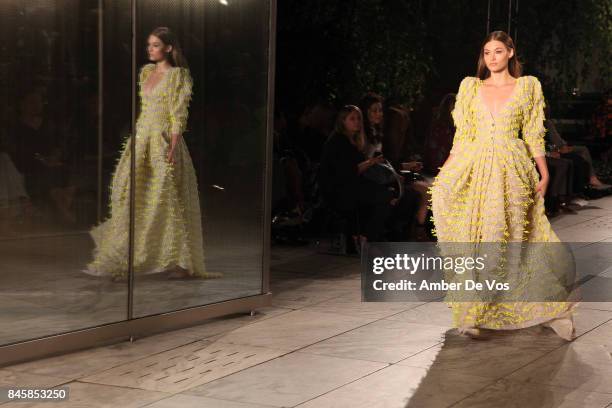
(315, 125)
(365, 203)
(286, 170)
(36, 151)
(398, 142)
(372, 107)
(442, 131)
(376, 142)
(14, 199)
(570, 152)
(560, 188)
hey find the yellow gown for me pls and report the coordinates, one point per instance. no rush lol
(486, 194)
(168, 225)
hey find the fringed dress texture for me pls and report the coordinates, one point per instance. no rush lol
(486, 194)
(168, 224)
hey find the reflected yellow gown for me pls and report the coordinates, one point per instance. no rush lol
(486, 193)
(168, 226)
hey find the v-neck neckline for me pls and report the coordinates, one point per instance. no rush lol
(151, 90)
(504, 105)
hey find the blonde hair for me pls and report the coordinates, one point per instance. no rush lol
(357, 139)
(176, 57)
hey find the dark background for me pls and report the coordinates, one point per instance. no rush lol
(420, 50)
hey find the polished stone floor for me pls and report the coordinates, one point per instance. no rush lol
(319, 346)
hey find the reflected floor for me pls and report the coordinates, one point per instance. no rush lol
(43, 292)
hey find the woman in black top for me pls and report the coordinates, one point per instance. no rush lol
(342, 186)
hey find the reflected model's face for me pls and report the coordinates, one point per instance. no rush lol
(156, 49)
(352, 123)
(375, 113)
(497, 55)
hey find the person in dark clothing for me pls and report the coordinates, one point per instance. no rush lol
(37, 154)
(399, 144)
(560, 187)
(366, 204)
(414, 203)
(315, 126)
(440, 139)
(578, 154)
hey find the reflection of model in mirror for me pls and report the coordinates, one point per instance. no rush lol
(167, 229)
(488, 190)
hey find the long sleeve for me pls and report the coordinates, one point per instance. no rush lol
(533, 121)
(461, 117)
(180, 97)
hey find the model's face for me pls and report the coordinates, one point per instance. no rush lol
(352, 123)
(375, 113)
(156, 49)
(497, 55)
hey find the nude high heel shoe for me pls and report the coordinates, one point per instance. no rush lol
(563, 327)
(471, 332)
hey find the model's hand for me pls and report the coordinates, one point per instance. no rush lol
(170, 155)
(566, 149)
(542, 186)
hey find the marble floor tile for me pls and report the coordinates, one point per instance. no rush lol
(83, 395)
(597, 305)
(583, 233)
(495, 357)
(601, 335)
(351, 305)
(401, 387)
(586, 320)
(384, 341)
(578, 365)
(605, 203)
(9, 377)
(598, 286)
(512, 394)
(568, 220)
(601, 249)
(185, 367)
(83, 363)
(432, 313)
(288, 380)
(16, 379)
(300, 296)
(595, 210)
(193, 401)
(291, 331)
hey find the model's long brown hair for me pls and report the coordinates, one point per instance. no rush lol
(514, 65)
(176, 58)
(358, 140)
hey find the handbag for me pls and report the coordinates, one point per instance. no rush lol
(384, 174)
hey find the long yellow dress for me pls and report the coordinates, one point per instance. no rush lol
(168, 226)
(486, 194)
